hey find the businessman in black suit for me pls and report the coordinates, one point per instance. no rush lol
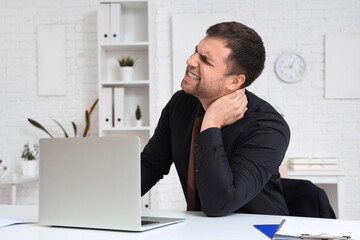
(232, 164)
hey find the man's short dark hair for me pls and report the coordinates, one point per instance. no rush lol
(247, 49)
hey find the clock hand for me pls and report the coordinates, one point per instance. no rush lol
(292, 64)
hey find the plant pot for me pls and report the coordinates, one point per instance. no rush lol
(126, 73)
(138, 123)
(30, 168)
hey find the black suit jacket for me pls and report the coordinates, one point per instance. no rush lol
(236, 166)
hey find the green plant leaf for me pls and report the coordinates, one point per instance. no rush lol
(126, 61)
(75, 129)
(38, 125)
(30, 154)
(66, 135)
(138, 114)
(93, 106)
(87, 126)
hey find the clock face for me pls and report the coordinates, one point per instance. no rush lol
(290, 67)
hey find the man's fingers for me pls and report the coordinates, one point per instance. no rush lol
(240, 96)
(240, 92)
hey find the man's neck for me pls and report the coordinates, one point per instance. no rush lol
(205, 104)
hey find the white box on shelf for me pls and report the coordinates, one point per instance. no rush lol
(314, 161)
(115, 22)
(330, 160)
(104, 22)
(107, 108)
(312, 167)
(119, 106)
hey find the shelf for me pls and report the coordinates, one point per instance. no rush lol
(125, 46)
(133, 83)
(129, 3)
(127, 129)
(18, 179)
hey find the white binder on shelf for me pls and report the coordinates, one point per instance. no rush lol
(119, 107)
(115, 21)
(107, 108)
(104, 22)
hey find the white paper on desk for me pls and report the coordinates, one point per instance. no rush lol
(332, 227)
(7, 221)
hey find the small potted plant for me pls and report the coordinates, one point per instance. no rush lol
(126, 68)
(30, 162)
(138, 116)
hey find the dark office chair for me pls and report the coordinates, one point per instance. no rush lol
(305, 199)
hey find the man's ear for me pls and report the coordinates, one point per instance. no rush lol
(236, 81)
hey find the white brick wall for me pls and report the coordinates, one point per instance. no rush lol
(320, 128)
(18, 77)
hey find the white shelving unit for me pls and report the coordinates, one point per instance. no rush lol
(132, 39)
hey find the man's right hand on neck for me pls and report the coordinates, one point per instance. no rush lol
(225, 110)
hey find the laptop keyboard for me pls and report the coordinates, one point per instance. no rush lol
(144, 222)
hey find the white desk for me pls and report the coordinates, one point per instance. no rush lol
(333, 182)
(14, 181)
(196, 226)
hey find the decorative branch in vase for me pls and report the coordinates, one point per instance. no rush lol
(87, 123)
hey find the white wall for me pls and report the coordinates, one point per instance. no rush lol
(320, 128)
(18, 76)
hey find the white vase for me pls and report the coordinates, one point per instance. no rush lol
(126, 73)
(138, 123)
(30, 167)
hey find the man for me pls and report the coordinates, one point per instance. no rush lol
(242, 139)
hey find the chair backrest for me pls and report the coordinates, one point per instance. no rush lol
(305, 199)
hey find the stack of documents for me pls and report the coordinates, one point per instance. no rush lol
(317, 164)
(314, 164)
(7, 221)
(311, 228)
(330, 229)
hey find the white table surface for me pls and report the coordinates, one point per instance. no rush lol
(196, 226)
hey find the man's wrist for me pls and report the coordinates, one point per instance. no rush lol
(207, 123)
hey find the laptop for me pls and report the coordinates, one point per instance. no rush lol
(93, 182)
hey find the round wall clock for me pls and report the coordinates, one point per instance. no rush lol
(290, 67)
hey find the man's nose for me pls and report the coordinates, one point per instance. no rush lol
(193, 60)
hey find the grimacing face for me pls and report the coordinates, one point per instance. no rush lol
(205, 75)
